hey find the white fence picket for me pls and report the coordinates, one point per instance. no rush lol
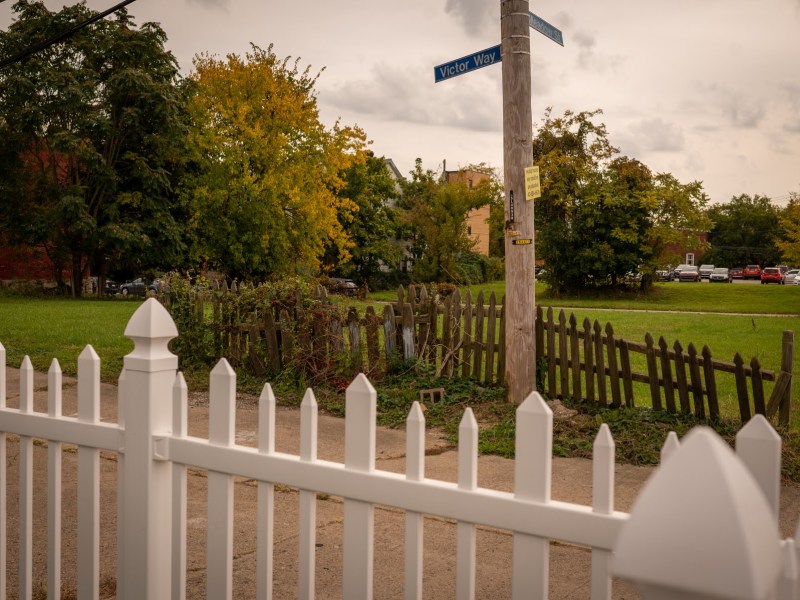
(122, 546)
(532, 482)
(88, 478)
(180, 427)
(759, 447)
(359, 455)
(671, 444)
(3, 483)
(26, 485)
(465, 530)
(54, 478)
(790, 578)
(265, 520)
(308, 499)
(415, 471)
(221, 431)
(602, 503)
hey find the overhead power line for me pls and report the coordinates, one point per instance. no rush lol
(61, 36)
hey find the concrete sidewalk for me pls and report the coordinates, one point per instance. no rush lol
(571, 481)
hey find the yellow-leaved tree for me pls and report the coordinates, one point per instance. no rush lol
(261, 185)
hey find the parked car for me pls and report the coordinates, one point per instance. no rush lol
(676, 273)
(664, 274)
(137, 287)
(737, 273)
(751, 272)
(771, 275)
(111, 287)
(720, 275)
(339, 285)
(690, 274)
(791, 276)
(705, 271)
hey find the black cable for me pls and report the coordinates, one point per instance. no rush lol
(61, 36)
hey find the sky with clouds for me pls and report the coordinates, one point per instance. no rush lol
(706, 90)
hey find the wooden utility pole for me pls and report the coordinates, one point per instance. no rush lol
(520, 302)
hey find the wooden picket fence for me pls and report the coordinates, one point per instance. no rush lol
(466, 338)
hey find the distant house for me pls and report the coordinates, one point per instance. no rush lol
(691, 249)
(478, 218)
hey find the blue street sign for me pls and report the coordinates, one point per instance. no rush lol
(546, 29)
(462, 65)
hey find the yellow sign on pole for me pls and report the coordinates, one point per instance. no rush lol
(533, 188)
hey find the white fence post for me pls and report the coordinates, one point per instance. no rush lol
(701, 527)
(147, 521)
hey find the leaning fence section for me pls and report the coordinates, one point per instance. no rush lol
(459, 336)
(155, 450)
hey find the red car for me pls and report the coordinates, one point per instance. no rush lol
(751, 272)
(771, 275)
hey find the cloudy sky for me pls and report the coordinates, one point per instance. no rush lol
(707, 90)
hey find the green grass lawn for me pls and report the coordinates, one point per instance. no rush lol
(683, 297)
(50, 328)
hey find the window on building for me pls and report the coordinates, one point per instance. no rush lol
(690, 258)
(469, 229)
(469, 184)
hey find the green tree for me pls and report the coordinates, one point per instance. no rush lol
(745, 230)
(434, 224)
(263, 193)
(90, 128)
(593, 218)
(789, 244)
(372, 228)
(678, 218)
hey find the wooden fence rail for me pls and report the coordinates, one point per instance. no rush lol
(466, 337)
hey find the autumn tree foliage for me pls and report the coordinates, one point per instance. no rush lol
(262, 192)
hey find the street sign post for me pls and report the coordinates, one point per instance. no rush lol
(546, 29)
(465, 64)
(520, 303)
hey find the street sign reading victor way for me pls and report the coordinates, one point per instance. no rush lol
(465, 64)
(546, 29)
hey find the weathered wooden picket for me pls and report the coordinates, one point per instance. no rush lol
(666, 545)
(466, 338)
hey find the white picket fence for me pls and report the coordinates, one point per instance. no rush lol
(705, 524)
